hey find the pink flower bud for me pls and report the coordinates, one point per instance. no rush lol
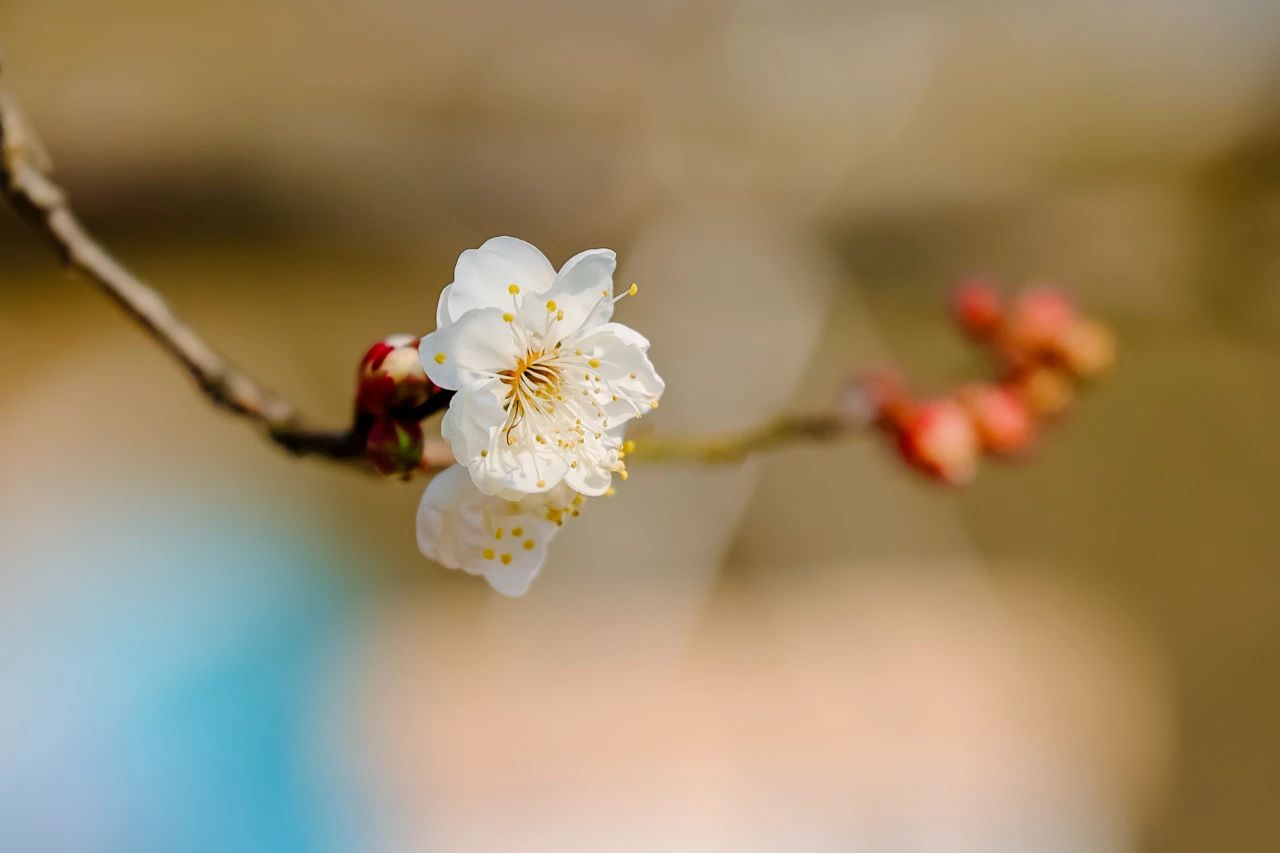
(1002, 420)
(1040, 318)
(938, 438)
(395, 447)
(977, 307)
(391, 378)
(1088, 348)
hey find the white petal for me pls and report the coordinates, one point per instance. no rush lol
(583, 290)
(520, 467)
(590, 481)
(469, 350)
(482, 277)
(514, 578)
(474, 418)
(627, 370)
(624, 334)
(443, 317)
(503, 540)
(437, 534)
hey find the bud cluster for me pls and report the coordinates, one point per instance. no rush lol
(392, 386)
(1043, 348)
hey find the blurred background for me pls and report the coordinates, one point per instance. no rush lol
(205, 645)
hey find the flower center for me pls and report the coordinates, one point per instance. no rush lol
(532, 387)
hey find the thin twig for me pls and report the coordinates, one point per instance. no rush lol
(26, 182)
(734, 447)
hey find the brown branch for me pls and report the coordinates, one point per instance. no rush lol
(26, 183)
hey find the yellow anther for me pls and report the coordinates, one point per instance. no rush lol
(610, 492)
(484, 453)
(623, 474)
(628, 446)
(517, 531)
(488, 553)
(573, 464)
(633, 374)
(439, 358)
(528, 544)
(575, 513)
(595, 362)
(506, 559)
(551, 305)
(508, 317)
(542, 484)
(633, 289)
(579, 500)
(654, 404)
(497, 534)
(559, 316)
(513, 289)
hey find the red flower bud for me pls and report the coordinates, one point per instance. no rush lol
(1088, 348)
(395, 447)
(977, 307)
(391, 378)
(938, 438)
(1002, 420)
(1039, 320)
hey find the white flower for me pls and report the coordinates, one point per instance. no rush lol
(460, 527)
(543, 379)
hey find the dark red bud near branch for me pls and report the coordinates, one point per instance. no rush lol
(391, 377)
(395, 447)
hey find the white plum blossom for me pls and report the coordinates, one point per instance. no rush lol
(506, 541)
(543, 379)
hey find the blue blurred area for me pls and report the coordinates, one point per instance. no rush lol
(164, 673)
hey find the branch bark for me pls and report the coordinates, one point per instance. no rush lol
(27, 184)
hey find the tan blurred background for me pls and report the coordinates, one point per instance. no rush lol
(205, 645)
